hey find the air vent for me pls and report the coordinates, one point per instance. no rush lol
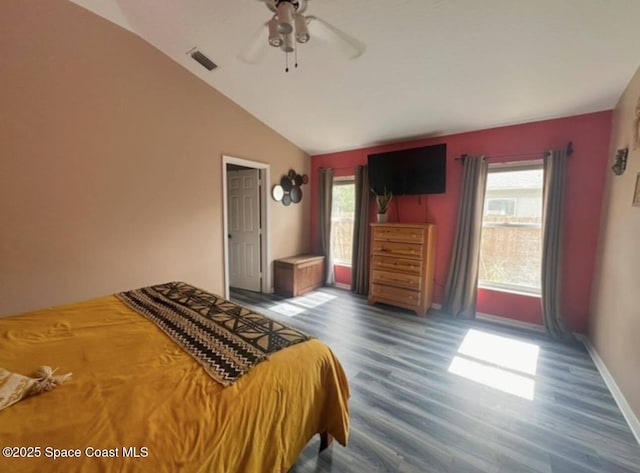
(204, 61)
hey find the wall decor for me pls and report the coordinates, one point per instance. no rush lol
(285, 182)
(620, 163)
(277, 192)
(636, 192)
(291, 187)
(296, 194)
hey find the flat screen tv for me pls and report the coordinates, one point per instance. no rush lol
(409, 171)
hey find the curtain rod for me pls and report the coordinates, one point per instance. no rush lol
(569, 153)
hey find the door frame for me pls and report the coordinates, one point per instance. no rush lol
(265, 178)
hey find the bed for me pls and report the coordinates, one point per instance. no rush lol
(138, 401)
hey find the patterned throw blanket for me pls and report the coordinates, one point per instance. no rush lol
(225, 338)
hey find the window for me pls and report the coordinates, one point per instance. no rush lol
(511, 246)
(342, 213)
(503, 207)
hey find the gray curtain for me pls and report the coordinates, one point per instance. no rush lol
(555, 164)
(461, 290)
(360, 253)
(326, 195)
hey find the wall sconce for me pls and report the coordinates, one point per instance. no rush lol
(620, 163)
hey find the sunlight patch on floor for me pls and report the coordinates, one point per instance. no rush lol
(298, 305)
(493, 377)
(499, 350)
(313, 299)
(287, 309)
(500, 362)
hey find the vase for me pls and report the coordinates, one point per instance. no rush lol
(382, 218)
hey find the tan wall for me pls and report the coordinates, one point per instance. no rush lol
(615, 323)
(110, 156)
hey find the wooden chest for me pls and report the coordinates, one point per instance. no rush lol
(298, 274)
(402, 265)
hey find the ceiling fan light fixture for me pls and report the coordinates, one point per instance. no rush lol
(275, 39)
(288, 43)
(285, 17)
(289, 25)
(302, 33)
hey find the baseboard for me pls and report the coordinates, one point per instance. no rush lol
(625, 408)
(509, 322)
(341, 285)
(496, 319)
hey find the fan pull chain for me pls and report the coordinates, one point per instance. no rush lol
(286, 62)
(295, 51)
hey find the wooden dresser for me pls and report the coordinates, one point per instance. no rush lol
(401, 266)
(298, 274)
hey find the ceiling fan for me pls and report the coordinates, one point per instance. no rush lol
(289, 26)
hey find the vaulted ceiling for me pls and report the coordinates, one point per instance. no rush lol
(431, 67)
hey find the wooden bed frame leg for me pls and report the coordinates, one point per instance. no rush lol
(325, 440)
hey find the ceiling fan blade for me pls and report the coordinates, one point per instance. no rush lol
(349, 45)
(256, 49)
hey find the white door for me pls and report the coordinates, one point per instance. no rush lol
(243, 188)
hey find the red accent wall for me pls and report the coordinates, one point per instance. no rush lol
(342, 274)
(586, 171)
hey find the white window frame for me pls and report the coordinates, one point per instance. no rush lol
(505, 287)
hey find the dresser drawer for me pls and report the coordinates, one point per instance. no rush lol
(409, 281)
(395, 295)
(390, 248)
(402, 234)
(388, 263)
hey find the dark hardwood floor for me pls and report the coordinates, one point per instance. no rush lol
(410, 414)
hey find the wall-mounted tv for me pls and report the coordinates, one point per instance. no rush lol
(409, 171)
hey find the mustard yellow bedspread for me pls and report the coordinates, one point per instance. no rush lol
(138, 402)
